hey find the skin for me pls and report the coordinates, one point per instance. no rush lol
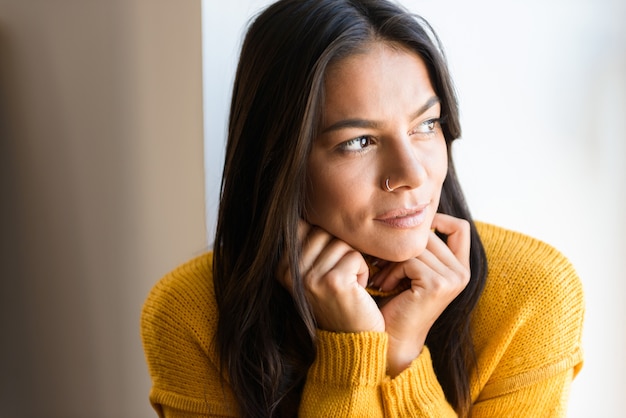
(388, 90)
(380, 121)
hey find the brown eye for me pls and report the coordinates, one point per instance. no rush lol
(357, 144)
(427, 127)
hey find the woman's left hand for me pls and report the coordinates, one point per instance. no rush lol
(437, 277)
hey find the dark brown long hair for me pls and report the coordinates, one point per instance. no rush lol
(266, 337)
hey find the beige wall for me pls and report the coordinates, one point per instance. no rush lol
(101, 170)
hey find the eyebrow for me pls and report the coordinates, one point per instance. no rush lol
(371, 124)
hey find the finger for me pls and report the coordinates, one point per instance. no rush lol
(349, 269)
(336, 252)
(328, 257)
(450, 265)
(439, 256)
(436, 261)
(459, 236)
(313, 244)
(413, 269)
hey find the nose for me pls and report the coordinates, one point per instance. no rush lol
(404, 165)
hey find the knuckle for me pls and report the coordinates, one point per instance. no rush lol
(343, 247)
(466, 275)
(464, 227)
(462, 276)
(464, 223)
(439, 285)
(333, 281)
(353, 256)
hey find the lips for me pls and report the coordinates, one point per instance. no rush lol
(404, 217)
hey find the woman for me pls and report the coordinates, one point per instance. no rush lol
(348, 278)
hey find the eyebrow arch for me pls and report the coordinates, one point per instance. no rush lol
(364, 123)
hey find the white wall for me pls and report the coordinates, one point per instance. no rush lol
(542, 86)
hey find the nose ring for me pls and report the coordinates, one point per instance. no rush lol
(389, 189)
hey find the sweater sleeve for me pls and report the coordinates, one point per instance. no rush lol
(416, 392)
(348, 379)
(344, 380)
(546, 398)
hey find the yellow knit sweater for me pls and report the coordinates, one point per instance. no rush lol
(527, 336)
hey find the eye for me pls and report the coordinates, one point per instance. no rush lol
(357, 144)
(429, 126)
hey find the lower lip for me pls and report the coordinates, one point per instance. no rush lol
(406, 222)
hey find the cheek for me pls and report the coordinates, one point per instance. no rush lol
(323, 198)
(438, 170)
(334, 195)
(440, 166)
(320, 192)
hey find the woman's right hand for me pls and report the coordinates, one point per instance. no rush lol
(335, 276)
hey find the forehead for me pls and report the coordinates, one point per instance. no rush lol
(369, 49)
(381, 78)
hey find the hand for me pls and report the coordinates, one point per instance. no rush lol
(335, 276)
(437, 276)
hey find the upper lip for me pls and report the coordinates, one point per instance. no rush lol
(402, 212)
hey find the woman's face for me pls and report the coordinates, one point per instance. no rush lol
(379, 122)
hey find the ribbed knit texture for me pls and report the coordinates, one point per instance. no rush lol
(527, 334)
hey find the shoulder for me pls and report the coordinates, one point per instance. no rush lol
(504, 247)
(185, 294)
(183, 301)
(518, 262)
(531, 311)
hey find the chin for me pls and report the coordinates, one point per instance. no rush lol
(398, 257)
(401, 252)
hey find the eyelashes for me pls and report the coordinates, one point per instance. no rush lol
(429, 126)
(358, 144)
(361, 143)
